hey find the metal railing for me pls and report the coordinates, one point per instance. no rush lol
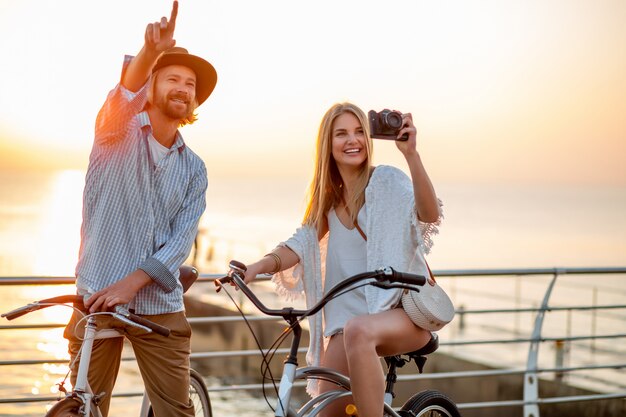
(536, 339)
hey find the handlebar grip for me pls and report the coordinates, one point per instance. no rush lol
(408, 278)
(157, 328)
(19, 312)
(236, 267)
(77, 300)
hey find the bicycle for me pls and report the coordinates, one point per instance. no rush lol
(425, 403)
(81, 401)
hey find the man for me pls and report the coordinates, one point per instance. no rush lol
(143, 198)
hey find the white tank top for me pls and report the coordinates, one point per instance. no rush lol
(346, 256)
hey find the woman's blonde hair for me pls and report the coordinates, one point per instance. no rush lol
(326, 189)
(191, 116)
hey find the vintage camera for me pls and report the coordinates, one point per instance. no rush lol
(386, 124)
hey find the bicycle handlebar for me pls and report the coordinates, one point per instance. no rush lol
(78, 302)
(396, 279)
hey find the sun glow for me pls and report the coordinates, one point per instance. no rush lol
(534, 80)
(59, 237)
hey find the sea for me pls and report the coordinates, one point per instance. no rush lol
(485, 225)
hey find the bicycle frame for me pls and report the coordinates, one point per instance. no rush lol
(292, 373)
(384, 278)
(82, 388)
(82, 395)
(289, 373)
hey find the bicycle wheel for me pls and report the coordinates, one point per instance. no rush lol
(198, 395)
(67, 407)
(322, 374)
(430, 403)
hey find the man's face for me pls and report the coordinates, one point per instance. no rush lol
(175, 91)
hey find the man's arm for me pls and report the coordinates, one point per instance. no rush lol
(162, 265)
(130, 95)
(158, 38)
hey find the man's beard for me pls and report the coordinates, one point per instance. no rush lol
(172, 110)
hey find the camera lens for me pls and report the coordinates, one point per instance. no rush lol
(393, 120)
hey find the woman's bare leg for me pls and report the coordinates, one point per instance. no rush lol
(366, 339)
(335, 358)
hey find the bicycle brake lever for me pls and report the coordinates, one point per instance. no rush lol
(219, 282)
(387, 286)
(120, 317)
(140, 322)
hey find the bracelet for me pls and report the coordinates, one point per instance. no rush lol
(277, 262)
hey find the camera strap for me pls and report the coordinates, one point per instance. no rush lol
(356, 223)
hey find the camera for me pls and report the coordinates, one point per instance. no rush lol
(386, 124)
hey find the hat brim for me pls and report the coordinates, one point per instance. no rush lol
(206, 76)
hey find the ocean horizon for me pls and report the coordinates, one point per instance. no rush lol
(484, 226)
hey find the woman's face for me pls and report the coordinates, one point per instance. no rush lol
(348, 141)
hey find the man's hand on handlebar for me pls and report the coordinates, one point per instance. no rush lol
(122, 292)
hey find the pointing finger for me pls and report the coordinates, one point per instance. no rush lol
(172, 22)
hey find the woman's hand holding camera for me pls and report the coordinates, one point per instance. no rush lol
(409, 146)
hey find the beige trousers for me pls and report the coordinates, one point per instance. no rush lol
(163, 361)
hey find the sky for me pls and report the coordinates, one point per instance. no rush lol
(517, 91)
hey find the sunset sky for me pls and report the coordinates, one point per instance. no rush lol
(523, 91)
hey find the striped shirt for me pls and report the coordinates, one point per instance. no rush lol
(138, 214)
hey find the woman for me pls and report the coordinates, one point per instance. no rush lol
(358, 218)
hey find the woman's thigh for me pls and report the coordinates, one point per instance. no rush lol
(389, 332)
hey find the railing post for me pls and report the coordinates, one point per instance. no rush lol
(518, 303)
(594, 316)
(531, 380)
(461, 318)
(559, 358)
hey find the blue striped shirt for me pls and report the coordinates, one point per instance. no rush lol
(137, 214)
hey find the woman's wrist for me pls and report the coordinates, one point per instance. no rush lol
(412, 156)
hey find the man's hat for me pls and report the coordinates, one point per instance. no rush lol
(206, 76)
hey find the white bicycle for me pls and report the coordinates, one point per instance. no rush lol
(428, 403)
(81, 401)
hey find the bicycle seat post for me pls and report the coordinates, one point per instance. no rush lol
(391, 379)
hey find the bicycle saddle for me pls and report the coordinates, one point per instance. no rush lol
(428, 348)
(419, 355)
(188, 275)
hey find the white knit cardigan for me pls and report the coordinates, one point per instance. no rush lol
(395, 238)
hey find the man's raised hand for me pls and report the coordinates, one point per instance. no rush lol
(160, 35)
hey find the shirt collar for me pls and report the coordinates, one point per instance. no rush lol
(146, 126)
